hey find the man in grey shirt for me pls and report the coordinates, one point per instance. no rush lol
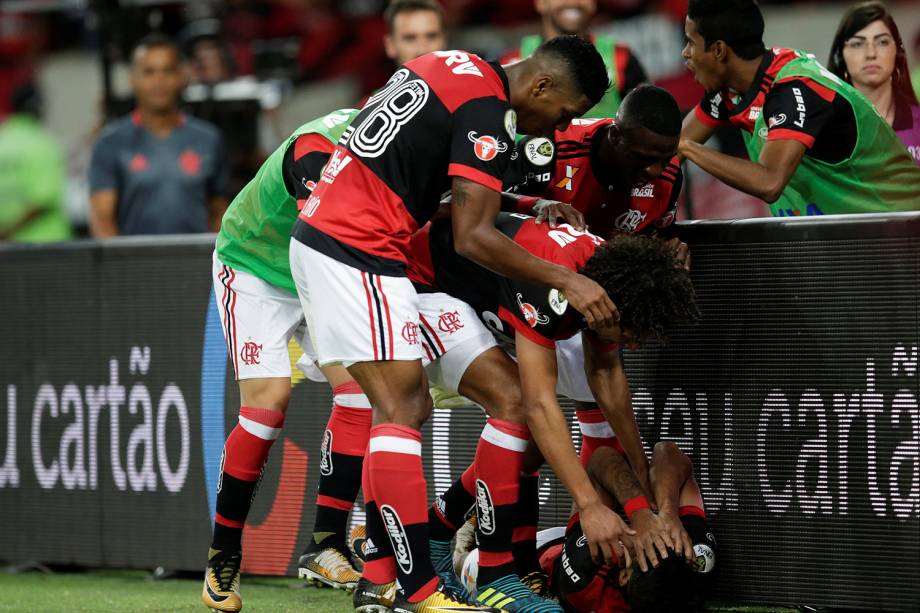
(157, 171)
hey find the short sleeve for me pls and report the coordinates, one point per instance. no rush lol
(303, 163)
(219, 183)
(482, 141)
(103, 171)
(539, 313)
(711, 111)
(799, 110)
(530, 167)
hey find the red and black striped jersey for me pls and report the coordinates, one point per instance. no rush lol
(540, 313)
(571, 176)
(446, 114)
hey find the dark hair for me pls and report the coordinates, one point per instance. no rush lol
(27, 100)
(854, 20)
(643, 278)
(652, 107)
(583, 61)
(738, 23)
(154, 40)
(667, 588)
(410, 6)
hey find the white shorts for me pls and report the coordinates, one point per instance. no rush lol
(354, 316)
(452, 336)
(571, 381)
(259, 321)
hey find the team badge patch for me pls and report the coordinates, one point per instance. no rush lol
(532, 314)
(539, 151)
(511, 123)
(486, 147)
(557, 301)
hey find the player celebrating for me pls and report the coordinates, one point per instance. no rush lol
(447, 116)
(260, 314)
(653, 293)
(573, 17)
(816, 145)
(675, 583)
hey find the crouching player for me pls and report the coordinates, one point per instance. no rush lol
(630, 582)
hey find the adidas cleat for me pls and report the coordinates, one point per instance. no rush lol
(374, 597)
(329, 567)
(512, 596)
(538, 583)
(442, 600)
(357, 544)
(221, 591)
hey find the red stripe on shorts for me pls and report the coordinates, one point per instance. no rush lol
(433, 333)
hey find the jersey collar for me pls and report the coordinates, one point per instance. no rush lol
(504, 79)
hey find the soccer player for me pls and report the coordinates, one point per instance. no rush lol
(414, 28)
(677, 582)
(816, 145)
(560, 17)
(260, 314)
(447, 119)
(653, 293)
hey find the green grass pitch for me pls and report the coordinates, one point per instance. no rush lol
(105, 591)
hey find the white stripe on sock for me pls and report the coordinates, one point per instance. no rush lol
(259, 430)
(498, 438)
(395, 444)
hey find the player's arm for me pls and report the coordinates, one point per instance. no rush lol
(607, 380)
(693, 129)
(474, 208)
(102, 220)
(537, 365)
(613, 474)
(671, 469)
(766, 178)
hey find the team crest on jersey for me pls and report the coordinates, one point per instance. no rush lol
(511, 123)
(557, 301)
(410, 333)
(486, 147)
(251, 353)
(449, 322)
(629, 221)
(539, 151)
(532, 314)
(570, 172)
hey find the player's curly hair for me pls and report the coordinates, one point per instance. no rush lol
(583, 61)
(644, 279)
(667, 588)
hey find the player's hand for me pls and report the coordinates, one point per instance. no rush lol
(603, 530)
(652, 538)
(590, 299)
(551, 211)
(681, 252)
(678, 535)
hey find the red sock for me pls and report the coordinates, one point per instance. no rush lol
(245, 453)
(595, 433)
(400, 491)
(499, 458)
(342, 456)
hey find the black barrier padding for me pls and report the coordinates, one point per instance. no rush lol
(796, 396)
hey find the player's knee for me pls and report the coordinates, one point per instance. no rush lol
(669, 449)
(505, 403)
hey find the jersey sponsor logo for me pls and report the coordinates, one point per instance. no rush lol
(705, 559)
(582, 541)
(646, 191)
(138, 163)
(531, 314)
(630, 220)
(325, 452)
(398, 538)
(570, 172)
(334, 166)
(410, 333)
(460, 62)
(511, 123)
(714, 103)
(449, 322)
(251, 353)
(557, 301)
(799, 107)
(486, 147)
(369, 547)
(754, 113)
(485, 511)
(567, 567)
(190, 162)
(776, 120)
(539, 151)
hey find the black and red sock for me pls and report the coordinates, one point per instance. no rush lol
(449, 510)
(527, 517)
(245, 453)
(379, 563)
